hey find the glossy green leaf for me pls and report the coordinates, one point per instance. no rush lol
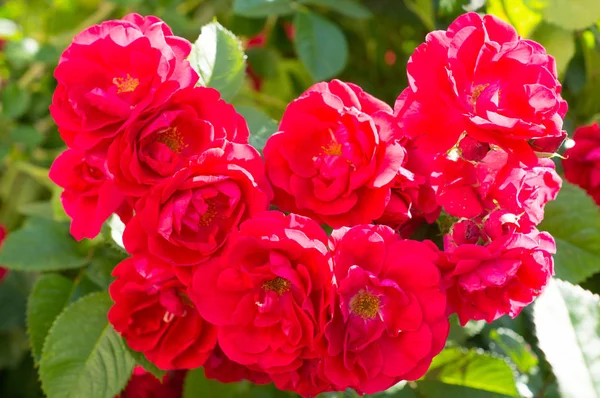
(573, 219)
(509, 343)
(218, 58)
(262, 8)
(436, 389)
(260, 124)
(83, 356)
(49, 297)
(349, 8)
(320, 44)
(474, 369)
(41, 245)
(567, 325)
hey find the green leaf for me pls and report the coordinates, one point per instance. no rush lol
(13, 298)
(262, 8)
(517, 13)
(83, 356)
(148, 366)
(436, 389)
(102, 264)
(13, 347)
(15, 100)
(218, 58)
(49, 297)
(197, 386)
(425, 10)
(26, 135)
(567, 324)
(320, 44)
(41, 245)
(514, 346)
(559, 43)
(348, 8)
(260, 124)
(573, 219)
(473, 369)
(459, 334)
(569, 14)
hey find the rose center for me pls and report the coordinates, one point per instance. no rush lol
(333, 149)
(126, 84)
(278, 285)
(476, 93)
(172, 138)
(209, 215)
(365, 305)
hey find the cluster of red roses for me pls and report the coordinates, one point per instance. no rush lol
(216, 280)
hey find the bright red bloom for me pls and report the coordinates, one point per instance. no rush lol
(114, 70)
(412, 199)
(90, 195)
(479, 76)
(500, 275)
(266, 292)
(144, 385)
(220, 367)
(164, 140)
(388, 310)
(154, 315)
(335, 155)
(186, 219)
(582, 163)
(307, 381)
(468, 188)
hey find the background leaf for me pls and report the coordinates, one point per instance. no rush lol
(573, 219)
(567, 324)
(260, 124)
(218, 58)
(83, 356)
(51, 294)
(41, 245)
(320, 44)
(262, 8)
(473, 369)
(350, 8)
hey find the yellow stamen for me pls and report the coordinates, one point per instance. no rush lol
(278, 285)
(126, 84)
(365, 305)
(172, 138)
(209, 214)
(477, 92)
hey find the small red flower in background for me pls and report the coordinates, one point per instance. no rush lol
(479, 76)
(582, 163)
(144, 385)
(154, 314)
(267, 292)
(335, 156)
(113, 70)
(388, 310)
(188, 217)
(3, 233)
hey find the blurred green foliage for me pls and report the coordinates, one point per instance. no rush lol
(290, 44)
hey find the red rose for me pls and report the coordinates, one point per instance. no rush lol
(335, 155)
(90, 195)
(467, 188)
(308, 380)
(500, 275)
(582, 163)
(185, 219)
(412, 199)
(161, 142)
(113, 70)
(480, 77)
(266, 292)
(3, 233)
(220, 367)
(155, 316)
(144, 385)
(388, 310)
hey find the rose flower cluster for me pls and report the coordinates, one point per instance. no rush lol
(216, 279)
